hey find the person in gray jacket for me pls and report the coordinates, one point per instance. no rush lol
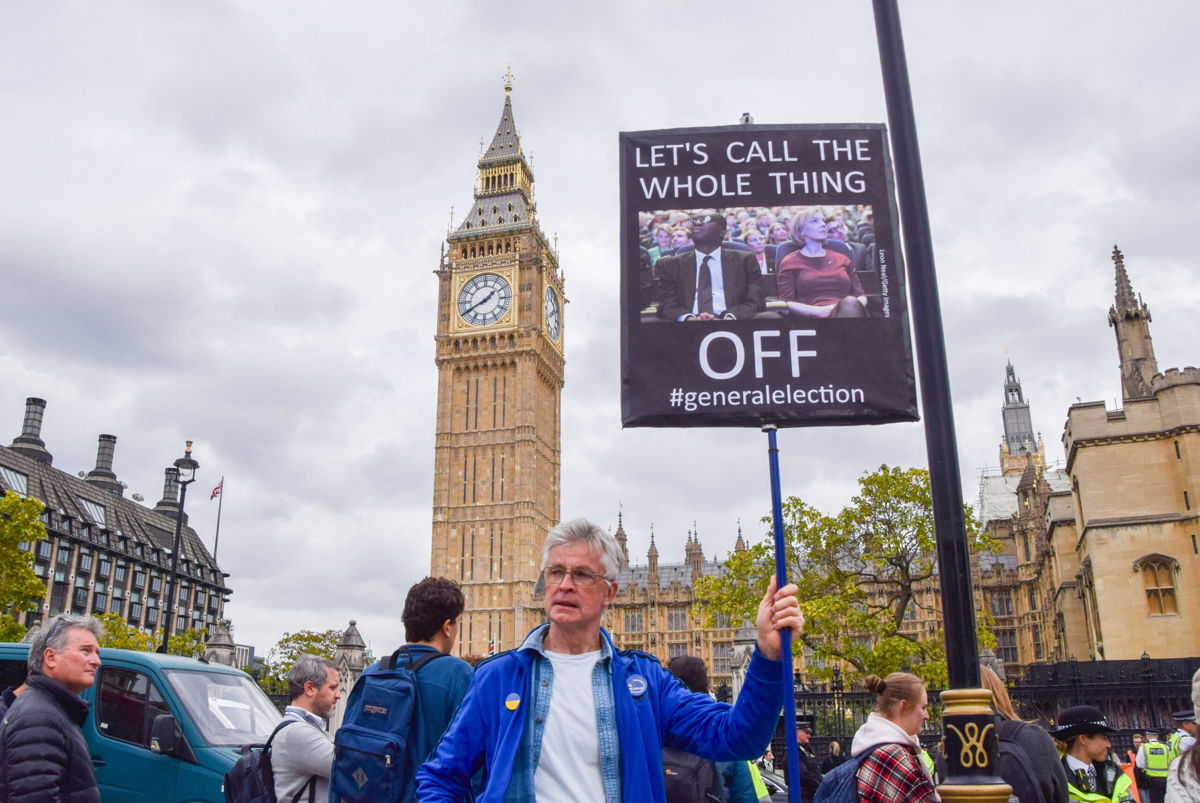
(302, 753)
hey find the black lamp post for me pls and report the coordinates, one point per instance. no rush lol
(185, 463)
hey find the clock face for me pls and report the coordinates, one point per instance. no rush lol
(553, 321)
(484, 299)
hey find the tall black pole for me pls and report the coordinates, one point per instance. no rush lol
(971, 747)
(954, 567)
(185, 463)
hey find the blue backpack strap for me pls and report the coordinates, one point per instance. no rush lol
(841, 784)
(413, 666)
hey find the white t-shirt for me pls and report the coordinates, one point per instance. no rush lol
(569, 765)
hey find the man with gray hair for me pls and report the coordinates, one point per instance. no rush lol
(302, 752)
(567, 716)
(42, 752)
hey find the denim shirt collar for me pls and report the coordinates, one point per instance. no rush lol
(534, 641)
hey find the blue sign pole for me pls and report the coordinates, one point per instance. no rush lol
(785, 635)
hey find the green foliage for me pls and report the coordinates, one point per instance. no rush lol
(120, 635)
(288, 650)
(123, 636)
(20, 589)
(860, 573)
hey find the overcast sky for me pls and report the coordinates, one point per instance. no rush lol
(220, 222)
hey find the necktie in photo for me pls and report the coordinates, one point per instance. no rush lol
(1089, 779)
(704, 287)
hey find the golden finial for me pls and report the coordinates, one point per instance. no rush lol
(555, 245)
(508, 79)
(481, 146)
(451, 226)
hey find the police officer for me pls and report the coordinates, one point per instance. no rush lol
(1092, 775)
(1184, 735)
(1153, 759)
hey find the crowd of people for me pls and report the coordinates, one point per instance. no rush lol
(569, 716)
(1072, 761)
(808, 258)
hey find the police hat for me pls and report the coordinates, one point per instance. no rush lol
(1184, 716)
(1081, 719)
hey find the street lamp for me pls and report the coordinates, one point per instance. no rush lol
(185, 463)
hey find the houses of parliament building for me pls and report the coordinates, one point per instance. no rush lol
(1098, 556)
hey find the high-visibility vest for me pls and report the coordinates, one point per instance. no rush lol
(1156, 757)
(760, 788)
(927, 760)
(1173, 741)
(1130, 771)
(1122, 791)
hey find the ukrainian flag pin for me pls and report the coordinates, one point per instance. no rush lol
(512, 701)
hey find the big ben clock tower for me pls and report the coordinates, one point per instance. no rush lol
(500, 378)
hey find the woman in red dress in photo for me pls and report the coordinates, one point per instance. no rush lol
(816, 282)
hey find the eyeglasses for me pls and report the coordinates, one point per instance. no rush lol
(700, 220)
(580, 577)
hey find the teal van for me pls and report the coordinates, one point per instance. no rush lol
(163, 729)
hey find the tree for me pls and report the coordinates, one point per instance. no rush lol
(123, 636)
(20, 588)
(866, 576)
(288, 650)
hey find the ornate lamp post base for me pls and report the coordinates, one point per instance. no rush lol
(971, 742)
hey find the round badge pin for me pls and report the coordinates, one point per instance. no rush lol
(637, 685)
(512, 701)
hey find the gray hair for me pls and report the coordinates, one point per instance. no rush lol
(54, 634)
(582, 531)
(307, 669)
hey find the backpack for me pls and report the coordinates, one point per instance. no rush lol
(251, 778)
(841, 784)
(381, 742)
(688, 778)
(1012, 754)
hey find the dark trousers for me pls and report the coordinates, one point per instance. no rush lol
(1154, 790)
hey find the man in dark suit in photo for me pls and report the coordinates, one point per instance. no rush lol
(711, 282)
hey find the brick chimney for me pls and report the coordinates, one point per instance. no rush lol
(170, 501)
(102, 475)
(29, 442)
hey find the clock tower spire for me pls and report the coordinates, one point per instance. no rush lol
(500, 376)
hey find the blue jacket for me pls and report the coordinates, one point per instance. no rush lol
(489, 727)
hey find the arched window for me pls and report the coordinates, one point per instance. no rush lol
(1158, 579)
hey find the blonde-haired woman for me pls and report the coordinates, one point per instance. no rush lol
(1028, 757)
(893, 772)
(817, 282)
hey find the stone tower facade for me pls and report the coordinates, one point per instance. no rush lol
(1019, 442)
(1135, 476)
(500, 378)
(1099, 557)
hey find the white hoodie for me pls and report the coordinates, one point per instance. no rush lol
(879, 730)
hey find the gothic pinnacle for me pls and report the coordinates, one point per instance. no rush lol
(1125, 298)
